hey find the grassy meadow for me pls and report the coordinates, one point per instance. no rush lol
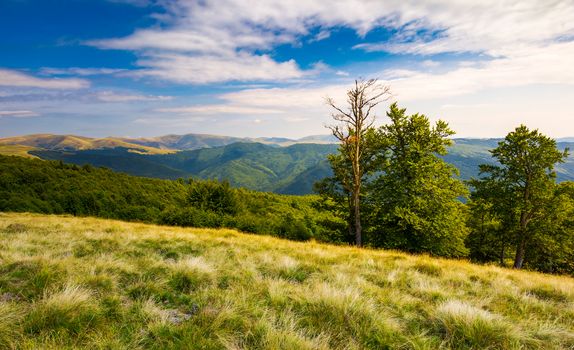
(90, 283)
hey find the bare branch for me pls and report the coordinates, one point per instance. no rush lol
(362, 98)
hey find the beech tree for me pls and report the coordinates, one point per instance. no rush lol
(356, 149)
(416, 193)
(527, 181)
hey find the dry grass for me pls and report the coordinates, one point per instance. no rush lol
(17, 150)
(90, 283)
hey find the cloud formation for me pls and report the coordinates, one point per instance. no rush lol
(18, 114)
(80, 71)
(18, 79)
(214, 41)
(180, 68)
(111, 96)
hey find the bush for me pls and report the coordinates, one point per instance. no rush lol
(212, 195)
(190, 217)
(291, 228)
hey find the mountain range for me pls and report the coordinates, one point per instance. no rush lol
(267, 164)
(151, 145)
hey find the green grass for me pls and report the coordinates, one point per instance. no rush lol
(69, 283)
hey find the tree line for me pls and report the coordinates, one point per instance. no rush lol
(393, 190)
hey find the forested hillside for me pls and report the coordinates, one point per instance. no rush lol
(289, 170)
(52, 187)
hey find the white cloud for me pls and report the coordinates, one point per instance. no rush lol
(532, 68)
(548, 65)
(80, 71)
(490, 26)
(212, 41)
(322, 35)
(111, 96)
(240, 66)
(18, 79)
(18, 114)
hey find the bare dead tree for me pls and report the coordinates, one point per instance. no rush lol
(353, 124)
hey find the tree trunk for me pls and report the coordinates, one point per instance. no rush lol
(358, 228)
(502, 257)
(520, 249)
(519, 259)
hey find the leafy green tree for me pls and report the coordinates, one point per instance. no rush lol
(213, 195)
(417, 194)
(336, 191)
(355, 158)
(552, 249)
(526, 181)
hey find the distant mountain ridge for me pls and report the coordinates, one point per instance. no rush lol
(151, 145)
(75, 143)
(198, 141)
(272, 164)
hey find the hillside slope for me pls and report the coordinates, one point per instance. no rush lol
(251, 165)
(76, 143)
(90, 283)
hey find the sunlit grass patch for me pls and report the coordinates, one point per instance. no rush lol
(28, 278)
(466, 326)
(71, 309)
(547, 292)
(287, 268)
(10, 318)
(95, 246)
(90, 283)
(430, 269)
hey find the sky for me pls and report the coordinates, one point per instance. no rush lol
(254, 68)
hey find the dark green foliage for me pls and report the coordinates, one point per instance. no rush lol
(416, 197)
(552, 249)
(213, 196)
(190, 216)
(51, 187)
(521, 208)
(294, 229)
(410, 197)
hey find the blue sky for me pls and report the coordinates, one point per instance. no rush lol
(263, 68)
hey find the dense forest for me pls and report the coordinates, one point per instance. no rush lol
(53, 187)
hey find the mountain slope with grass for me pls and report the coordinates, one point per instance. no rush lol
(251, 165)
(65, 143)
(91, 283)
